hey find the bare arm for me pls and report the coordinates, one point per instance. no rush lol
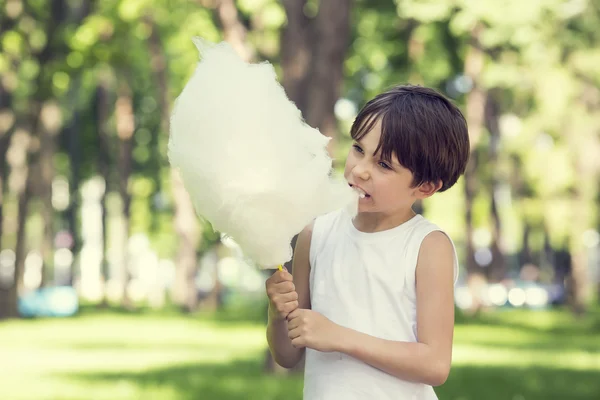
(428, 360)
(280, 344)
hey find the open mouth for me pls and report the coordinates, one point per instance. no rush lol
(362, 194)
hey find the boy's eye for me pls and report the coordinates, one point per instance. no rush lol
(357, 148)
(384, 165)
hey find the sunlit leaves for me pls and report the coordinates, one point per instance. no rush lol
(91, 32)
(29, 69)
(12, 43)
(4, 63)
(250, 6)
(538, 53)
(505, 75)
(131, 10)
(367, 25)
(553, 107)
(273, 16)
(463, 21)
(425, 10)
(37, 39)
(587, 62)
(549, 167)
(75, 59)
(60, 80)
(142, 30)
(541, 55)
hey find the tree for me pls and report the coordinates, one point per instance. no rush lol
(313, 51)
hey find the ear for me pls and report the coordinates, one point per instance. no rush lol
(427, 189)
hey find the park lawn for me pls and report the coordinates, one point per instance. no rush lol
(512, 355)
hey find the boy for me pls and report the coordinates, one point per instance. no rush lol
(370, 301)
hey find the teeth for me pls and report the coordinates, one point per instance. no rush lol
(361, 193)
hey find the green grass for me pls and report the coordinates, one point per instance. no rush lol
(512, 355)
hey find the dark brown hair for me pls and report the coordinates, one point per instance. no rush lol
(426, 131)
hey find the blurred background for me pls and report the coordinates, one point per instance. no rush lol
(112, 288)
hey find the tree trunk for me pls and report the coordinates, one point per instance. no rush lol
(184, 294)
(547, 258)
(125, 128)
(233, 30)
(20, 184)
(8, 307)
(476, 100)
(74, 203)
(74, 150)
(577, 282)
(102, 115)
(37, 113)
(562, 270)
(497, 270)
(47, 123)
(581, 138)
(313, 54)
(316, 90)
(21, 248)
(214, 300)
(50, 125)
(525, 255)
(7, 125)
(296, 51)
(186, 224)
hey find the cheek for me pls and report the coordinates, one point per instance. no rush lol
(348, 166)
(388, 189)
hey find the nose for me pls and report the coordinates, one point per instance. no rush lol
(361, 172)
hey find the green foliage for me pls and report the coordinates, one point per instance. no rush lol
(541, 59)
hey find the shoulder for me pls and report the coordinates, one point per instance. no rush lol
(329, 218)
(430, 237)
(324, 225)
(437, 240)
(306, 234)
(437, 253)
(303, 242)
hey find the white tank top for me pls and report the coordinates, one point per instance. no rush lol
(366, 282)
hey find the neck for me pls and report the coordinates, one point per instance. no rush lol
(376, 222)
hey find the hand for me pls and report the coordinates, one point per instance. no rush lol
(308, 328)
(281, 291)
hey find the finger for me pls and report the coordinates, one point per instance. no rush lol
(294, 314)
(290, 306)
(298, 343)
(284, 308)
(294, 333)
(284, 287)
(292, 323)
(279, 276)
(286, 298)
(284, 275)
(272, 281)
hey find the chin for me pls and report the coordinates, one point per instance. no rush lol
(362, 208)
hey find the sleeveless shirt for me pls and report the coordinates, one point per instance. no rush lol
(366, 282)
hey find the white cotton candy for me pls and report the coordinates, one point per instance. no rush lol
(251, 165)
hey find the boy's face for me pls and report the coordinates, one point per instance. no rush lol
(387, 184)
